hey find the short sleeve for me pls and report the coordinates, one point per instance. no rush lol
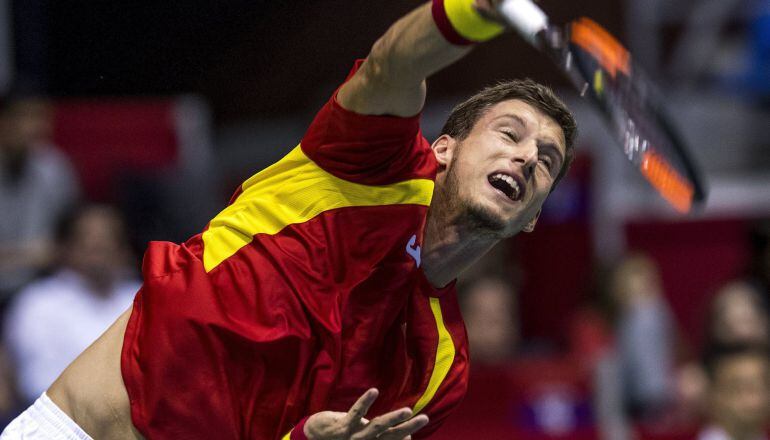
(368, 149)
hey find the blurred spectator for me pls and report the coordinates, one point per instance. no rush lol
(54, 319)
(489, 310)
(736, 316)
(644, 334)
(592, 347)
(739, 392)
(37, 184)
(514, 393)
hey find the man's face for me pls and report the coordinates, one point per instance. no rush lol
(24, 124)
(501, 173)
(740, 317)
(489, 315)
(96, 249)
(739, 394)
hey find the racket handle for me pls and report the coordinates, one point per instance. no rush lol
(524, 16)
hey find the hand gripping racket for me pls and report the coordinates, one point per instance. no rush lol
(602, 70)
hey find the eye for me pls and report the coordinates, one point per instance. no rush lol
(511, 135)
(546, 160)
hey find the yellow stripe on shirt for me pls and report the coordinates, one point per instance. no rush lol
(291, 191)
(445, 355)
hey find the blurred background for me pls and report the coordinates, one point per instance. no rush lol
(124, 122)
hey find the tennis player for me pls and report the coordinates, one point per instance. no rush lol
(320, 303)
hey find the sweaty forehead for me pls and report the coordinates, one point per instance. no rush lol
(521, 114)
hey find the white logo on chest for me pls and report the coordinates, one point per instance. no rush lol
(412, 250)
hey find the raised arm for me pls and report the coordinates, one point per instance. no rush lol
(392, 79)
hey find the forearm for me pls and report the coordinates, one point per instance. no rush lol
(413, 49)
(392, 80)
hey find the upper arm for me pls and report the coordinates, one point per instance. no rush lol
(371, 92)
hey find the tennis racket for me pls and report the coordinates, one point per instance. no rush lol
(602, 70)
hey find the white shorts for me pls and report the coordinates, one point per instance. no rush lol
(43, 420)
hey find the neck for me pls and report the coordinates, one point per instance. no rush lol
(99, 282)
(449, 246)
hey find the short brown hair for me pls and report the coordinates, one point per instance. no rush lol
(465, 115)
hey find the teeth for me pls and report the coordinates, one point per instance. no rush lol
(510, 181)
(515, 187)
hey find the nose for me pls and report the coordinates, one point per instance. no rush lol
(526, 156)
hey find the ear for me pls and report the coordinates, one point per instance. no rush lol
(443, 149)
(531, 225)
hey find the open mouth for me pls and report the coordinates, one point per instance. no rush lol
(506, 184)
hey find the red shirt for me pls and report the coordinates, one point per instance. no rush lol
(300, 295)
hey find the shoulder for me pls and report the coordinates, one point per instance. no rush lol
(372, 149)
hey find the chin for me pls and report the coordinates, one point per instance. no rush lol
(484, 220)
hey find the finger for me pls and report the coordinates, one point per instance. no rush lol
(405, 430)
(354, 427)
(361, 407)
(384, 422)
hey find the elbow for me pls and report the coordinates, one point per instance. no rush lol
(383, 72)
(378, 67)
(390, 65)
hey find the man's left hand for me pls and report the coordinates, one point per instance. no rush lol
(395, 425)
